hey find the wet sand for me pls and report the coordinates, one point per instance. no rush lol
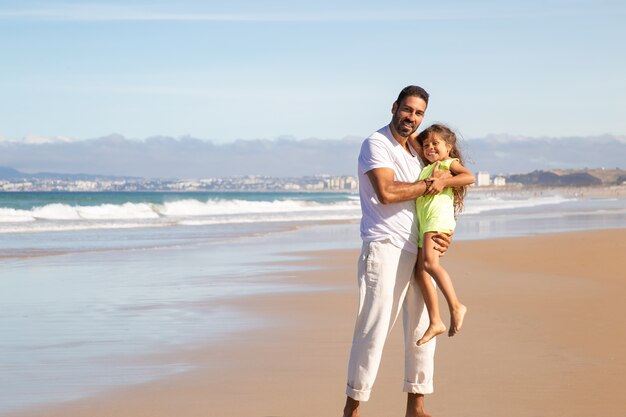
(545, 336)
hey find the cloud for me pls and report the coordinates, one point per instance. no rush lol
(37, 140)
(188, 157)
(515, 154)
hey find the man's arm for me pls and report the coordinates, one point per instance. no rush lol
(388, 190)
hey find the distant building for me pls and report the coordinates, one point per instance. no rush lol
(315, 186)
(290, 186)
(482, 179)
(499, 181)
(327, 183)
(341, 183)
(351, 184)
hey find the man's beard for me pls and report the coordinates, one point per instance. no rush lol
(403, 129)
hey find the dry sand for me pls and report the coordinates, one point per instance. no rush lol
(545, 336)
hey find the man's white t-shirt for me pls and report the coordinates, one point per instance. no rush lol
(395, 221)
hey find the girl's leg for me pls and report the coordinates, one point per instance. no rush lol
(432, 267)
(429, 292)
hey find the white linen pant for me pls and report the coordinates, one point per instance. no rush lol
(386, 286)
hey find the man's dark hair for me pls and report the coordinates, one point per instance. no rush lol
(412, 90)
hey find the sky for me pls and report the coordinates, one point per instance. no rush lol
(223, 71)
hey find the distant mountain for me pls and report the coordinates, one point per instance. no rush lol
(7, 173)
(188, 157)
(571, 178)
(508, 154)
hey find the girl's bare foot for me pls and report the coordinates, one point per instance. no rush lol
(433, 330)
(456, 319)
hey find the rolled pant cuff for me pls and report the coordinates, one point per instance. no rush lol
(358, 395)
(418, 388)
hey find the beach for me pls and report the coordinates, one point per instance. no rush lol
(544, 336)
(243, 305)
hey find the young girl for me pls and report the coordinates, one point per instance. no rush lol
(436, 213)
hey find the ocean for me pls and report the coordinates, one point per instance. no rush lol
(92, 281)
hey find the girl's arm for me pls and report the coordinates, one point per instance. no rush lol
(461, 176)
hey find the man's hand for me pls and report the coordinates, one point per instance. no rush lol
(435, 182)
(435, 186)
(442, 242)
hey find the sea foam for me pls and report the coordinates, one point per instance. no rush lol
(58, 217)
(193, 212)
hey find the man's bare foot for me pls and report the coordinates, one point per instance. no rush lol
(352, 408)
(415, 406)
(433, 330)
(456, 319)
(422, 413)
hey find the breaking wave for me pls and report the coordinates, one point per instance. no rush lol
(58, 216)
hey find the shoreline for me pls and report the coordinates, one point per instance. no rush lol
(583, 192)
(597, 190)
(526, 338)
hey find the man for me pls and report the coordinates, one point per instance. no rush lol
(388, 168)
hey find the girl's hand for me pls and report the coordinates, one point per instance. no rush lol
(442, 242)
(435, 186)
